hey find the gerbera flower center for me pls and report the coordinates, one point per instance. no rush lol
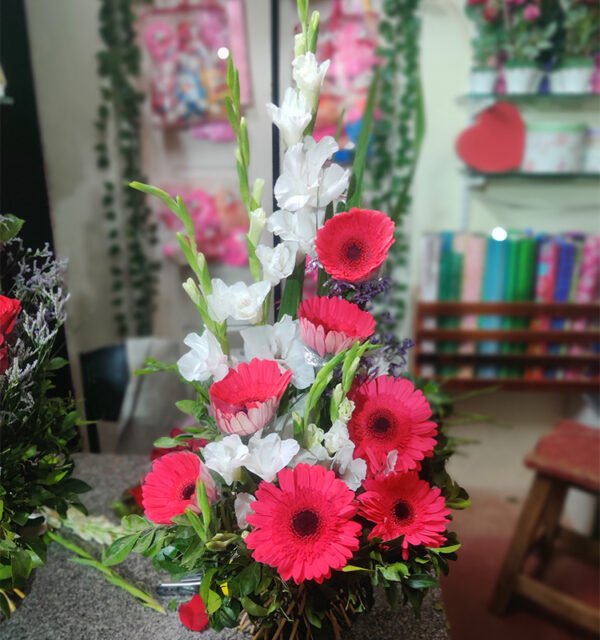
(188, 491)
(353, 250)
(402, 511)
(306, 523)
(381, 424)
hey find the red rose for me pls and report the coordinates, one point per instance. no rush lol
(193, 614)
(490, 13)
(136, 494)
(9, 310)
(3, 355)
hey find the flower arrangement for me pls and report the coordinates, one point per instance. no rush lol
(488, 41)
(527, 34)
(38, 428)
(321, 471)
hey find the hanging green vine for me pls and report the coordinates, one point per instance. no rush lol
(400, 129)
(131, 231)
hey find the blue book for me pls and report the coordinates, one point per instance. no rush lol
(492, 290)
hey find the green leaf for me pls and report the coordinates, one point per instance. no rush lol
(197, 525)
(252, 608)
(206, 582)
(203, 503)
(120, 549)
(362, 148)
(421, 581)
(72, 485)
(394, 572)
(9, 227)
(214, 602)
(189, 407)
(57, 363)
(290, 299)
(166, 443)
(350, 567)
(450, 549)
(249, 579)
(134, 522)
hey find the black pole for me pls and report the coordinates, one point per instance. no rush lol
(275, 130)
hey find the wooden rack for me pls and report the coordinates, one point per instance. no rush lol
(427, 330)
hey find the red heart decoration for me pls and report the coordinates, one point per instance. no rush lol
(495, 142)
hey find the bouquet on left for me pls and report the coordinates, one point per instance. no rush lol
(38, 429)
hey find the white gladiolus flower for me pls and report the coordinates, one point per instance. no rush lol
(317, 454)
(205, 360)
(305, 181)
(299, 227)
(277, 262)
(345, 411)
(242, 508)
(292, 117)
(280, 342)
(239, 301)
(349, 469)
(258, 219)
(267, 456)
(308, 76)
(337, 437)
(226, 457)
(313, 435)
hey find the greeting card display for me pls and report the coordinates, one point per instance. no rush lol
(186, 49)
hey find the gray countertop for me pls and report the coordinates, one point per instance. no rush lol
(72, 602)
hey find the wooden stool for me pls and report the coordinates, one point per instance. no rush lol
(567, 457)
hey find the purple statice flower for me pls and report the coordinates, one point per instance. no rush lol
(361, 293)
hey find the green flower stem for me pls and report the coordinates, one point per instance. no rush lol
(83, 557)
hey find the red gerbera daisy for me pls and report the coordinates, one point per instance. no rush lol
(330, 325)
(351, 246)
(391, 415)
(193, 614)
(304, 528)
(171, 486)
(246, 399)
(405, 505)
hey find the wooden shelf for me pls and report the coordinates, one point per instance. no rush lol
(583, 368)
(521, 384)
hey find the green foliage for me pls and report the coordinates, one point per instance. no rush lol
(581, 26)
(9, 227)
(131, 232)
(38, 428)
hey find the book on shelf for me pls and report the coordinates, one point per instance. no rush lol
(524, 267)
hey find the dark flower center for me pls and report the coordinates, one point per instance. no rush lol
(381, 424)
(354, 251)
(305, 523)
(188, 491)
(402, 511)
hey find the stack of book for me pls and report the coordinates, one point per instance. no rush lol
(525, 266)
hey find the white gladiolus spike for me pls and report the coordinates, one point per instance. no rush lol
(239, 301)
(226, 457)
(267, 456)
(292, 117)
(205, 360)
(309, 75)
(277, 262)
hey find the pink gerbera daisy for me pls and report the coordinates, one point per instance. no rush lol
(352, 246)
(405, 505)
(390, 415)
(304, 528)
(246, 399)
(170, 488)
(330, 325)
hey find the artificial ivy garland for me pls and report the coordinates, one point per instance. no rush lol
(132, 235)
(399, 130)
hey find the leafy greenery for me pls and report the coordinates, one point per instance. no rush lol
(581, 26)
(131, 231)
